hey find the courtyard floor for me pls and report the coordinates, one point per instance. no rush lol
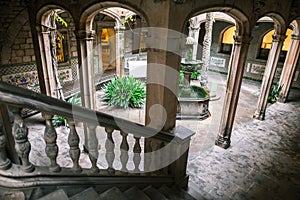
(263, 161)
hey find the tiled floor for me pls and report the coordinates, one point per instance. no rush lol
(263, 161)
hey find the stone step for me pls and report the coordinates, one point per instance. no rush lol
(113, 194)
(134, 193)
(154, 194)
(88, 194)
(57, 195)
(175, 193)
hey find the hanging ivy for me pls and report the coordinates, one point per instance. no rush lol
(60, 20)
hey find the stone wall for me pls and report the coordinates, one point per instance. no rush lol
(17, 60)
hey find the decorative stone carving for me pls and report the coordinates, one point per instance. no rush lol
(5, 163)
(73, 141)
(51, 149)
(20, 133)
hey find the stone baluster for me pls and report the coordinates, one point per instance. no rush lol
(50, 137)
(148, 155)
(93, 147)
(137, 154)
(22, 145)
(124, 151)
(5, 163)
(73, 141)
(110, 146)
(153, 162)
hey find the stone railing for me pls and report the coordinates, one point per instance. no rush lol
(163, 155)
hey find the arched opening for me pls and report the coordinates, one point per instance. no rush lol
(226, 31)
(266, 45)
(58, 51)
(227, 40)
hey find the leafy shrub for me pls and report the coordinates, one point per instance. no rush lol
(125, 92)
(195, 75)
(62, 121)
(274, 93)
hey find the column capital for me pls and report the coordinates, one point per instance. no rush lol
(245, 39)
(295, 37)
(119, 28)
(277, 38)
(85, 34)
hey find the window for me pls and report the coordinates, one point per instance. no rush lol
(266, 45)
(227, 40)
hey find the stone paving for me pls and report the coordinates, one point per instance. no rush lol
(263, 161)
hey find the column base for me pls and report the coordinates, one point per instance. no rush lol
(260, 115)
(222, 142)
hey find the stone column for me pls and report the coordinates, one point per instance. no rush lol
(99, 48)
(46, 59)
(289, 68)
(269, 76)
(86, 72)
(119, 49)
(234, 80)
(163, 79)
(86, 69)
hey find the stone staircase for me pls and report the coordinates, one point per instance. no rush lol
(133, 193)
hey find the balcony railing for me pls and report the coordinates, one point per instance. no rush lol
(163, 155)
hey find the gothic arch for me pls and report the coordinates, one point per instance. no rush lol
(296, 27)
(242, 22)
(87, 16)
(280, 25)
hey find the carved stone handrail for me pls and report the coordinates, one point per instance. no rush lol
(20, 97)
(160, 157)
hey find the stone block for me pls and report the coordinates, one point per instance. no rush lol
(25, 46)
(27, 59)
(20, 41)
(16, 60)
(29, 52)
(20, 53)
(29, 40)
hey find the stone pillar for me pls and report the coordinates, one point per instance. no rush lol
(234, 80)
(289, 68)
(86, 72)
(99, 49)
(86, 69)
(119, 49)
(46, 59)
(163, 79)
(269, 76)
(206, 48)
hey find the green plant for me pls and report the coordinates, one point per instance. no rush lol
(62, 121)
(274, 93)
(125, 92)
(195, 75)
(181, 77)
